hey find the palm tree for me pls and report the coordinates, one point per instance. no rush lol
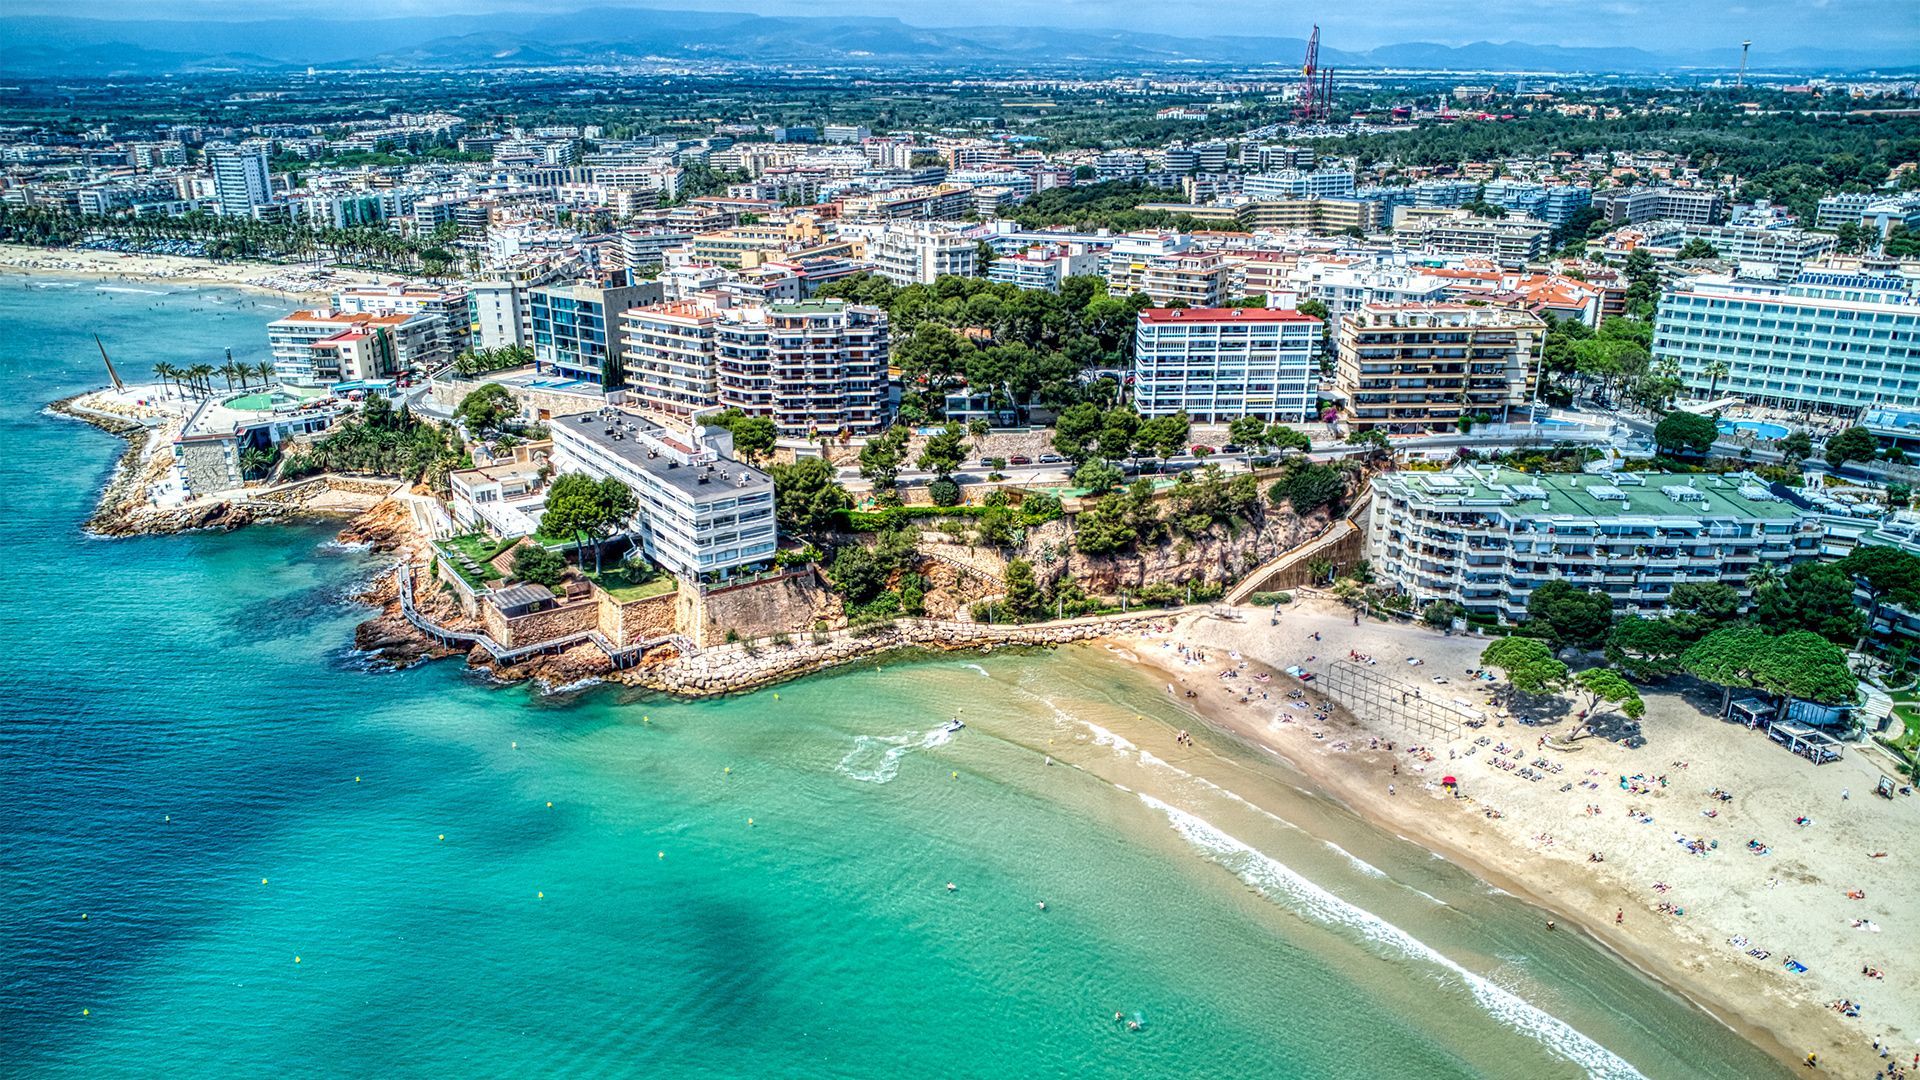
(1715, 372)
(165, 372)
(203, 377)
(227, 372)
(264, 370)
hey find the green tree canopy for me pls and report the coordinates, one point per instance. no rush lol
(486, 408)
(1570, 615)
(1685, 434)
(1602, 687)
(1812, 596)
(1852, 444)
(539, 565)
(880, 462)
(807, 498)
(1528, 663)
(944, 452)
(1646, 648)
(1802, 664)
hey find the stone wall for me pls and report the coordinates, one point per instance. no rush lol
(206, 467)
(468, 599)
(519, 631)
(450, 390)
(788, 604)
(640, 620)
(735, 668)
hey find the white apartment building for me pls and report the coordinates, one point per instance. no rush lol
(451, 306)
(1783, 251)
(814, 367)
(701, 513)
(321, 347)
(240, 178)
(1044, 266)
(908, 254)
(1219, 364)
(1828, 342)
(1294, 184)
(1485, 537)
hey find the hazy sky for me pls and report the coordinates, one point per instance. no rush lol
(1654, 24)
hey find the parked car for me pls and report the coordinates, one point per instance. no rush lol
(1232, 448)
(1051, 459)
(1019, 459)
(1201, 449)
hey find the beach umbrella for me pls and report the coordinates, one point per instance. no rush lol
(1449, 781)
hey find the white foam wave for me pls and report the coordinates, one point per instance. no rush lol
(550, 689)
(875, 759)
(124, 289)
(1103, 737)
(1359, 863)
(1147, 758)
(1279, 882)
(978, 668)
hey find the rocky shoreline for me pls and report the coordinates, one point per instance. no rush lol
(715, 672)
(124, 511)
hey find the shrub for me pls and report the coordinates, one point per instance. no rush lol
(1267, 599)
(944, 492)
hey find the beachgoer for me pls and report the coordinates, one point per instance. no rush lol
(1619, 916)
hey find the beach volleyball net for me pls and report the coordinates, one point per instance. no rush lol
(1373, 696)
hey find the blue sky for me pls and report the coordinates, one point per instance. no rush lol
(1652, 24)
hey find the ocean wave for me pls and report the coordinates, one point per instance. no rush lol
(548, 689)
(875, 759)
(125, 289)
(332, 547)
(1103, 737)
(978, 668)
(1277, 881)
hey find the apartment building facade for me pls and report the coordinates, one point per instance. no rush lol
(1826, 342)
(816, 367)
(1424, 366)
(1485, 538)
(320, 347)
(921, 254)
(1219, 364)
(701, 514)
(574, 329)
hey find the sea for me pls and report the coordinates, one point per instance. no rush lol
(235, 847)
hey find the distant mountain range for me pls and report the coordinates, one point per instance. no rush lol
(59, 46)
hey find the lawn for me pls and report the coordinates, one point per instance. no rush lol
(626, 584)
(481, 549)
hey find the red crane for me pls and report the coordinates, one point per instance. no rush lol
(1306, 101)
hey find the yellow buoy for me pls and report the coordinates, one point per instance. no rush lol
(169, 817)
(549, 804)
(956, 776)
(443, 836)
(516, 746)
(776, 697)
(663, 854)
(263, 881)
(728, 770)
(296, 959)
(749, 823)
(83, 915)
(540, 895)
(86, 1012)
(356, 779)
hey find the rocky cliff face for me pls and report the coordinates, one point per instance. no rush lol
(1220, 555)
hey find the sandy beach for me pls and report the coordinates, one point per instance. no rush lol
(1718, 923)
(305, 283)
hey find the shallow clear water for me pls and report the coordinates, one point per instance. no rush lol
(754, 886)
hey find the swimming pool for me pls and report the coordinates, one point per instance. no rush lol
(1759, 429)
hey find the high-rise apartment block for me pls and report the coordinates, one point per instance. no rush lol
(1423, 366)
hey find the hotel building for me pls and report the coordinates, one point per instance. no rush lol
(1828, 342)
(575, 329)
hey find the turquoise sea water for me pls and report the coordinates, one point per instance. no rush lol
(748, 887)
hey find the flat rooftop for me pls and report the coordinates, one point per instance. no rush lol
(639, 442)
(1598, 495)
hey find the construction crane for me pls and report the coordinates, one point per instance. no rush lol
(1309, 103)
(1744, 46)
